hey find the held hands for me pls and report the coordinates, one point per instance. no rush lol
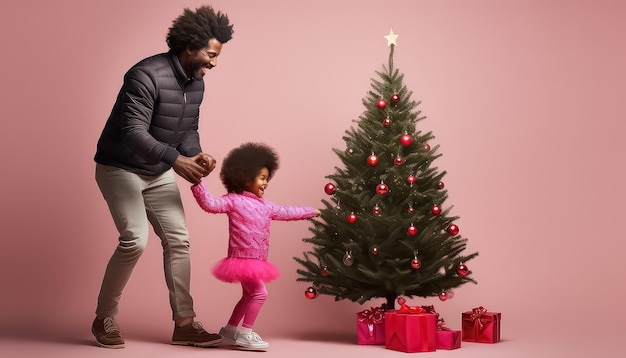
(205, 160)
(193, 169)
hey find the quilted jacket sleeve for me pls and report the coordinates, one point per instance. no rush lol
(138, 100)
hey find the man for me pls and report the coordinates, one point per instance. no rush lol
(153, 128)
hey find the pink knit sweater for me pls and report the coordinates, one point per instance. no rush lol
(249, 219)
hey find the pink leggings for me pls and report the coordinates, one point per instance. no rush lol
(249, 306)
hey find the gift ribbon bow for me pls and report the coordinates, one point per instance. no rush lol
(375, 315)
(404, 308)
(477, 313)
(441, 324)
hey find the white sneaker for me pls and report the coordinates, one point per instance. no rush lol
(251, 341)
(229, 337)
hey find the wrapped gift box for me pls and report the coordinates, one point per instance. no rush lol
(370, 326)
(480, 325)
(410, 332)
(448, 339)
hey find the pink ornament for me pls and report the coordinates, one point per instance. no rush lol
(426, 147)
(406, 140)
(450, 293)
(329, 188)
(395, 98)
(372, 160)
(443, 296)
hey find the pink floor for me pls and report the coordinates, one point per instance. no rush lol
(314, 345)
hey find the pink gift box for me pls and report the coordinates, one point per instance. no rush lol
(409, 332)
(480, 325)
(370, 326)
(448, 339)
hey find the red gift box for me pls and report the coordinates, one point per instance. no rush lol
(448, 339)
(410, 332)
(480, 325)
(370, 326)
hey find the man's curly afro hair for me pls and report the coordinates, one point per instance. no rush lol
(194, 29)
(242, 165)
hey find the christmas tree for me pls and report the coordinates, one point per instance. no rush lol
(386, 230)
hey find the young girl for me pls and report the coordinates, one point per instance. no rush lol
(246, 172)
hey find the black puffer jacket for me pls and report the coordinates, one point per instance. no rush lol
(154, 119)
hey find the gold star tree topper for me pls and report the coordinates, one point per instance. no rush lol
(391, 38)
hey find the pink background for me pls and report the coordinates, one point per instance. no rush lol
(524, 97)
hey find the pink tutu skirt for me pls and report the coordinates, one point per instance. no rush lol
(237, 269)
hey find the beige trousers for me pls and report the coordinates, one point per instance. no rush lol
(135, 201)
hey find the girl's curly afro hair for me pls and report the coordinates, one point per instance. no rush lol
(242, 165)
(194, 29)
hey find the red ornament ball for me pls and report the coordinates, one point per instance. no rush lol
(395, 98)
(372, 160)
(452, 229)
(411, 179)
(382, 104)
(329, 188)
(387, 122)
(411, 210)
(441, 185)
(412, 230)
(351, 218)
(436, 210)
(377, 209)
(406, 140)
(443, 296)
(426, 147)
(375, 250)
(324, 271)
(310, 293)
(382, 189)
(462, 270)
(398, 161)
(416, 263)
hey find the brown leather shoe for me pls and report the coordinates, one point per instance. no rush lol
(194, 334)
(107, 333)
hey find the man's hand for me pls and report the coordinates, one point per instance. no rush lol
(205, 160)
(195, 168)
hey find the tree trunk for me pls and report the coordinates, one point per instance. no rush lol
(391, 302)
